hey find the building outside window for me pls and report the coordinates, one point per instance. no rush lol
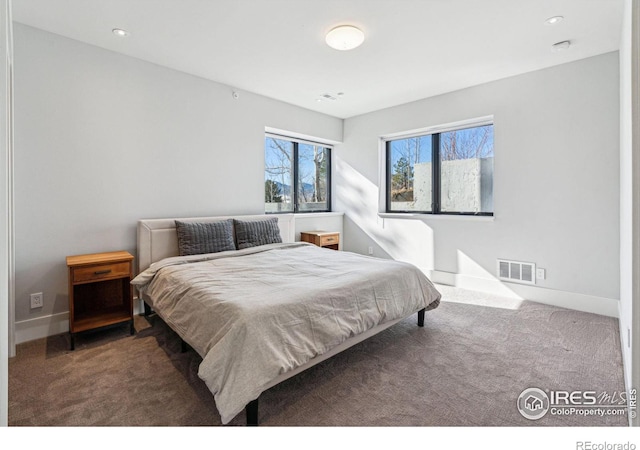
(445, 172)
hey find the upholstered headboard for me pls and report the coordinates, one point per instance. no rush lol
(157, 238)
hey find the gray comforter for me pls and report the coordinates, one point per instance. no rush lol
(256, 313)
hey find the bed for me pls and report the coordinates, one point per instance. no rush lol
(259, 307)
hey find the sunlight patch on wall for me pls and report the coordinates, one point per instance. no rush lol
(488, 290)
(401, 239)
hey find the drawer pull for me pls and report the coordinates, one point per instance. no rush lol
(102, 272)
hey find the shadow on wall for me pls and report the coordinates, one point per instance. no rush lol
(352, 227)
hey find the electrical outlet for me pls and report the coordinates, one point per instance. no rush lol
(37, 300)
(541, 274)
(371, 250)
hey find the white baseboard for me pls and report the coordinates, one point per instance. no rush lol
(626, 363)
(570, 300)
(41, 327)
(45, 326)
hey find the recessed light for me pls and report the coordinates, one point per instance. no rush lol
(560, 46)
(344, 37)
(120, 32)
(553, 20)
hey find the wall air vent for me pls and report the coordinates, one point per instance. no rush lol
(517, 271)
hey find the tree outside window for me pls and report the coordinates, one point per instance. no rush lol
(297, 176)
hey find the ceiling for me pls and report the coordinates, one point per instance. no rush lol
(413, 49)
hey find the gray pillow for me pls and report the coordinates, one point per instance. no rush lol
(252, 233)
(196, 238)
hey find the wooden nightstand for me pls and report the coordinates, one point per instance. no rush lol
(325, 239)
(100, 293)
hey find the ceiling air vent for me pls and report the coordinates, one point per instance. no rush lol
(517, 271)
(328, 97)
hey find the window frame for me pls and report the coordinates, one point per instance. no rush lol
(436, 192)
(295, 169)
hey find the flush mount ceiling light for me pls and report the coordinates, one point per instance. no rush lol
(553, 20)
(344, 37)
(120, 32)
(560, 46)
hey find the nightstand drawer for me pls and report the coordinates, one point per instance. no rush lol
(329, 239)
(101, 272)
(324, 239)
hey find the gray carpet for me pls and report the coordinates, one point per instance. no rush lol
(466, 367)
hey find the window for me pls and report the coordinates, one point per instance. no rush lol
(448, 172)
(297, 175)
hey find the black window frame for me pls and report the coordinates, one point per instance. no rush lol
(296, 143)
(435, 173)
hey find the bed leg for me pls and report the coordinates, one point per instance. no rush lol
(421, 317)
(252, 413)
(147, 309)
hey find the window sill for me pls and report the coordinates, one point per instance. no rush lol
(410, 216)
(318, 214)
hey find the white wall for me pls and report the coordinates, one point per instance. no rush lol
(556, 185)
(629, 188)
(103, 140)
(5, 190)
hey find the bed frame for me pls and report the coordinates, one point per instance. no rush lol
(157, 239)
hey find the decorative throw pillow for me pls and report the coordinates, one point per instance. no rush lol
(252, 233)
(196, 238)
